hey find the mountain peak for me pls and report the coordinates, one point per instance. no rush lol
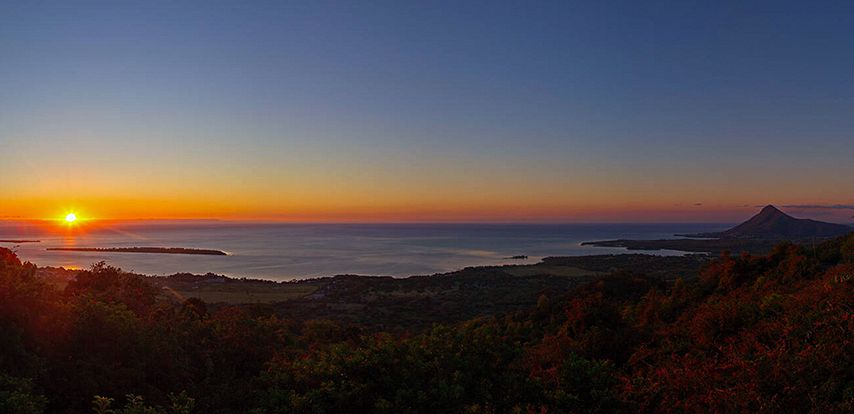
(772, 224)
(770, 207)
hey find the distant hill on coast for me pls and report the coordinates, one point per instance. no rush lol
(772, 224)
(757, 235)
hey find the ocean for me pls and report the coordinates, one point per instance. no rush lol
(277, 251)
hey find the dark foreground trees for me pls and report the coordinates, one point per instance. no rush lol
(750, 334)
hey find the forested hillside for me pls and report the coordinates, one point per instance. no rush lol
(749, 334)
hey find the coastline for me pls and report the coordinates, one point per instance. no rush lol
(150, 250)
(706, 246)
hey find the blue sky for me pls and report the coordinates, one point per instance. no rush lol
(457, 109)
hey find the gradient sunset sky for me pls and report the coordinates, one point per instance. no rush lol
(426, 111)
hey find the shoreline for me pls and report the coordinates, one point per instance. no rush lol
(476, 288)
(150, 250)
(691, 246)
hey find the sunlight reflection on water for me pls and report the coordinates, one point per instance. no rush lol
(289, 251)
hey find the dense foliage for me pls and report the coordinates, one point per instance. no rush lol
(750, 334)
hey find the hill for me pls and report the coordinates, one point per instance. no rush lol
(758, 235)
(772, 224)
(764, 334)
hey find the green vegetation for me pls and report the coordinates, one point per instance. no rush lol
(544, 269)
(746, 333)
(218, 289)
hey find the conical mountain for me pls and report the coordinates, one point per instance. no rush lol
(772, 224)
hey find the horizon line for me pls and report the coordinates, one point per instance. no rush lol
(346, 222)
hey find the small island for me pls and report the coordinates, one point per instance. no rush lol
(18, 241)
(164, 250)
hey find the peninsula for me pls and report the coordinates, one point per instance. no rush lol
(164, 250)
(757, 235)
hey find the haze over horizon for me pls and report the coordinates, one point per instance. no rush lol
(488, 111)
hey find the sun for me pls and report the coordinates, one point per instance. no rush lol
(71, 218)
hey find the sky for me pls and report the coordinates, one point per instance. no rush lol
(426, 111)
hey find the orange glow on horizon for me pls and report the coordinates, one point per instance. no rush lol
(452, 188)
(91, 212)
(104, 214)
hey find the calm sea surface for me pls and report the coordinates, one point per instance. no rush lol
(294, 251)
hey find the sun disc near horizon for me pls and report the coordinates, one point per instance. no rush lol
(70, 218)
